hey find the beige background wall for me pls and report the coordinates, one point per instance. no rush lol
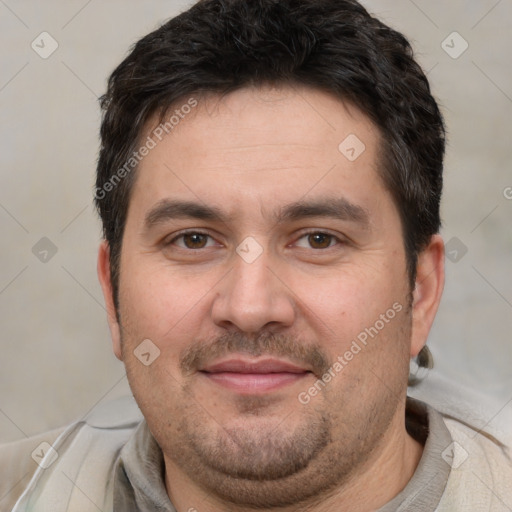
(56, 362)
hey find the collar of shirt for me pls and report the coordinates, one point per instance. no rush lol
(425, 489)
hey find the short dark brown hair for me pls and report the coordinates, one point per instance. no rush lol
(335, 46)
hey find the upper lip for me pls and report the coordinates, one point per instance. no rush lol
(241, 365)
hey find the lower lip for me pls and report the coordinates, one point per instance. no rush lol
(254, 382)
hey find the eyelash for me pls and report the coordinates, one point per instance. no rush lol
(304, 234)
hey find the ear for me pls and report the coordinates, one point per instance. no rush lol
(106, 285)
(427, 292)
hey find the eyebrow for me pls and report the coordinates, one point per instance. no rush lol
(336, 208)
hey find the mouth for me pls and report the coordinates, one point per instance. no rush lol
(250, 376)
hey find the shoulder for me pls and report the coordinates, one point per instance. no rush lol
(481, 469)
(88, 442)
(19, 461)
(480, 453)
(466, 407)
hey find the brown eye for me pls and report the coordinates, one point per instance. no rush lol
(320, 240)
(191, 240)
(194, 240)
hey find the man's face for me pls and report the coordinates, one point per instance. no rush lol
(254, 305)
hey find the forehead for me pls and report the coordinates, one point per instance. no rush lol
(259, 147)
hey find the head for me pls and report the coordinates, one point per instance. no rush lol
(269, 183)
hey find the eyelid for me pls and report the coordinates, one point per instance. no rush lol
(314, 231)
(311, 231)
(180, 234)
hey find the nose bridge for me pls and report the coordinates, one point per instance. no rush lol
(251, 278)
(251, 296)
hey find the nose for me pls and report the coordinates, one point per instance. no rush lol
(253, 297)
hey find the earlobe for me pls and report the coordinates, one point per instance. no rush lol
(427, 292)
(104, 277)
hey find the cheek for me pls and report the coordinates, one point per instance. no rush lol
(358, 315)
(348, 298)
(161, 303)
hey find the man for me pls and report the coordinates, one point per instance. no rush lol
(269, 183)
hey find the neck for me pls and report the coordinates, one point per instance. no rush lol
(383, 476)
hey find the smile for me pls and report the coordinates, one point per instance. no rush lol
(249, 377)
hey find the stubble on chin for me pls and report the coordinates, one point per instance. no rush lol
(260, 458)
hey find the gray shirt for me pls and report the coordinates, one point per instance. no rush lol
(139, 470)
